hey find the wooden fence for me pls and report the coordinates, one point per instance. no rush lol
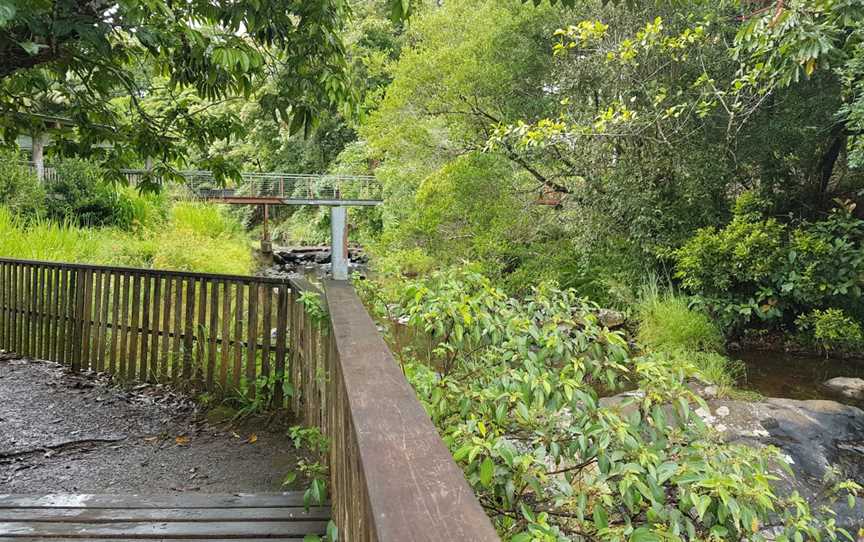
(392, 478)
(220, 333)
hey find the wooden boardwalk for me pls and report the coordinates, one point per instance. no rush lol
(213, 517)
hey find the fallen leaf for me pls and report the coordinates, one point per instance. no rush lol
(182, 440)
(235, 434)
(151, 439)
(253, 438)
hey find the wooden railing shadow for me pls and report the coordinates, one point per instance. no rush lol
(392, 478)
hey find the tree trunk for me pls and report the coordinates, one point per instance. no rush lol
(39, 140)
(837, 142)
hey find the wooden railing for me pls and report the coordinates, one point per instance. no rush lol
(213, 332)
(392, 478)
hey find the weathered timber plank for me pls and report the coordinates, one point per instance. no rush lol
(252, 328)
(146, 303)
(226, 331)
(118, 501)
(238, 335)
(377, 417)
(212, 333)
(126, 515)
(135, 307)
(187, 530)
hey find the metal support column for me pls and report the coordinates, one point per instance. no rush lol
(339, 242)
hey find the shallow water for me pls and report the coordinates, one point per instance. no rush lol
(777, 374)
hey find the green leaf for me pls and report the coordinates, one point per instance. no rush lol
(31, 47)
(487, 470)
(644, 534)
(601, 521)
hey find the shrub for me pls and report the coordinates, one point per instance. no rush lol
(515, 393)
(831, 329)
(79, 193)
(757, 270)
(20, 189)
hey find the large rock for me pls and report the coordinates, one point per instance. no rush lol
(850, 388)
(820, 440)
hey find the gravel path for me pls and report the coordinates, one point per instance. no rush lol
(66, 433)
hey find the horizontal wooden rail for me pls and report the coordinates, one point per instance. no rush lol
(393, 478)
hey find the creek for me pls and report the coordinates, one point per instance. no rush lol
(780, 374)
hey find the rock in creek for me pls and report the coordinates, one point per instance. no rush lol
(850, 388)
(819, 439)
(822, 441)
(314, 260)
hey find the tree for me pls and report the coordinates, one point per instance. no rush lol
(87, 53)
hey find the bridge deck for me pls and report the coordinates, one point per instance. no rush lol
(273, 516)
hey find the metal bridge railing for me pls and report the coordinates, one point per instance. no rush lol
(284, 186)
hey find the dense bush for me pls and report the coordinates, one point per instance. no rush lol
(20, 189)
(515, 392)
(78, 192)
(831, 329)
(757, 270)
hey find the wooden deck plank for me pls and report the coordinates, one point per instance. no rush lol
(287, 538)
(118, 501)
(112, 515)
(146, 530)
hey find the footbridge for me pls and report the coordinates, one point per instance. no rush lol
(338, 192)
(313, 352)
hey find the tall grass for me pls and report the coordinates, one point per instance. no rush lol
(668, 324)
(196, 238)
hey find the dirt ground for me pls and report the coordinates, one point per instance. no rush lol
(66, 433)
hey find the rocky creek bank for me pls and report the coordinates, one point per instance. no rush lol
(310, 261)
(821, 440)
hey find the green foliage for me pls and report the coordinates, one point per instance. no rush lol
(78, 192)
(75, 59)
(314, 306)
(667, 323)
(831, 329)
(20, 190)
(760, 269)
(174, 246)
(203, 220)
(515, 392)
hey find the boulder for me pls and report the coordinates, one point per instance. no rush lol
(850, 388)
(611, 319)
(820, 440)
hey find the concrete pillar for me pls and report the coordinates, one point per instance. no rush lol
(339, 242)
(39, 140)
(266, 242)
